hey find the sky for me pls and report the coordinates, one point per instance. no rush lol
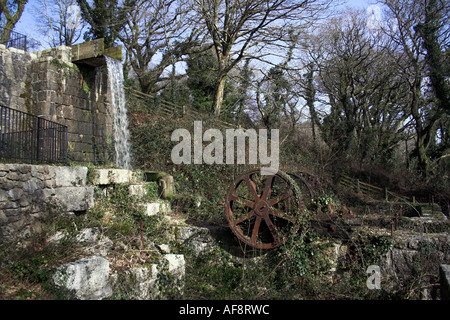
(27, 24)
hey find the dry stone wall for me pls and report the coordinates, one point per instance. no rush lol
(28, 193)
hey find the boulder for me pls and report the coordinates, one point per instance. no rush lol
(85, 279)
(143, 282)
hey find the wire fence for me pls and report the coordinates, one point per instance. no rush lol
(157, 105)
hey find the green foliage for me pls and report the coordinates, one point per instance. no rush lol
(106, 18)
(375, 247)
(202, 79)
(26, 268)
(202, 83)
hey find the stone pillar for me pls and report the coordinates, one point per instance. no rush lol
(49, 85)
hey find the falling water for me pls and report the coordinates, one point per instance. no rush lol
(121, 133)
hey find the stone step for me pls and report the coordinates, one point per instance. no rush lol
(138, 181)
(143, 190)
(101, 177)
(157, 207)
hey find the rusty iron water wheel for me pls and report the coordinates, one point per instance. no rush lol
(263, 210)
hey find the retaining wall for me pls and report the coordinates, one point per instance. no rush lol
(28, 193)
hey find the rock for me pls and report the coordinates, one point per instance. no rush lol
(15, 194)
(85, 279)
(164, 248)
(58, 237)
(75, 198)
(95, 243)
(113, 176)
(444, 275)
(137, 191)
(154, 208)
(87, 235)
(175, 265)
(158, 281)
(144, 283)
(399, 261)
(196, 238)
(3, 218)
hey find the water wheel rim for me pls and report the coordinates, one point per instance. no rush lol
(268, 214)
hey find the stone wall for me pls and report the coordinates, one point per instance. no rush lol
(28, 193)
(14, 73)
(49, 85)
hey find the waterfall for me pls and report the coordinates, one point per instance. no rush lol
(121, 133)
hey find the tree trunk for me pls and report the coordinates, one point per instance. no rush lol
(11, 19)
(6, 34)
(219, 94)
(422, 157)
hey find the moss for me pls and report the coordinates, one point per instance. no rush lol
(27, 95)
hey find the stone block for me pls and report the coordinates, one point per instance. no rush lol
(75, 198)
(86, 50)
(70, 176)
(144, 282)
(137, 191)
(158, 207)
(112, 176)
(176, 267)
(34, 184)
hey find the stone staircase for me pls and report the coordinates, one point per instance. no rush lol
(138, 184)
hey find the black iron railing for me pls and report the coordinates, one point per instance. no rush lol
(29, 138)
(16, 40)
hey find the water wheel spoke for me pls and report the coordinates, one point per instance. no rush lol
(255, 230)
(267, 188)
(243, 201)
(272, 228)
(245, 217)
(281, 197)
(251, 187)
(282, 215)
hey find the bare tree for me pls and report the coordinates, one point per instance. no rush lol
(156, 32)
(12, 11)
(420, 34)
(353, 73)
(60, 20)
(249, 28)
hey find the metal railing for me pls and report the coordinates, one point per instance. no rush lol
(29, 138)
(16, 40)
